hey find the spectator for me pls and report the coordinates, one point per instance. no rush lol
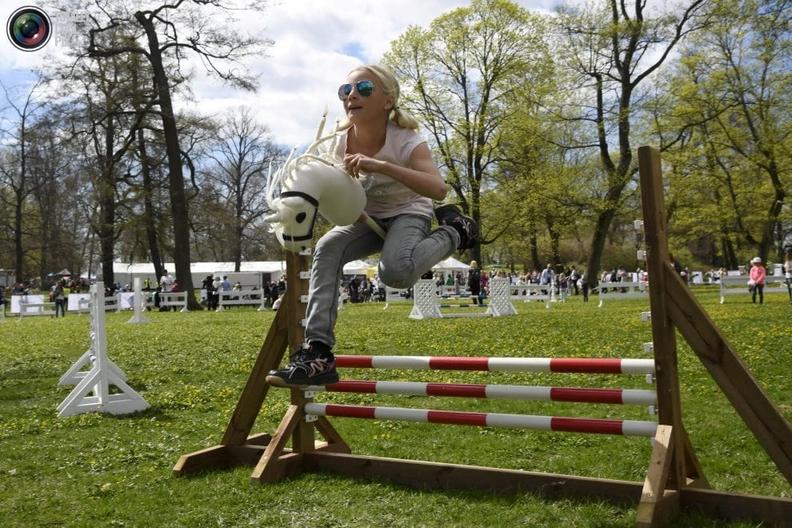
(788, 272)
(166, 282)
(547, 277)
(756, 282)
(208, 285)
(584, 285)
(474, 282)
(484, 287)
(226, 283)
(574, 276)
(217, 285)
(59, 297)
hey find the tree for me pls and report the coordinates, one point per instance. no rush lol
(243, 152)
(613, 48)
(728, 122)
(164, 28)
(457, 78)
(14, 169)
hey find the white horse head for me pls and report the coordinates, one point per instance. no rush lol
(310, 183)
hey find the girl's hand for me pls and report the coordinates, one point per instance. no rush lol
(354, 163)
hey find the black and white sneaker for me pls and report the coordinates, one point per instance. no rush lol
(307, 367)
(451, 215)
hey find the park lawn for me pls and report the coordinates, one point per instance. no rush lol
(101, 470)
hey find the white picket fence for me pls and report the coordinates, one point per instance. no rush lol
(173, 299)
(241, 298)
(532, 292)
(619, 291)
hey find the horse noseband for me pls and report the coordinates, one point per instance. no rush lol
(311, 200)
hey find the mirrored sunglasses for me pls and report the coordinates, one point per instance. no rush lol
(364, 88)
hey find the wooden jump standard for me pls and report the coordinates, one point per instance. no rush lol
(675, 480)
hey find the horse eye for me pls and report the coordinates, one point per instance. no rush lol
(300, 217)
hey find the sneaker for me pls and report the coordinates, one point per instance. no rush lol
(451, 215)
(307, 367)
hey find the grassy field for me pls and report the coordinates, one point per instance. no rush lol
(101, 470)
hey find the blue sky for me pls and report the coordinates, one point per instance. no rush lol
(316, 43)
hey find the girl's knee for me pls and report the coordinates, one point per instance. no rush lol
(399, 275)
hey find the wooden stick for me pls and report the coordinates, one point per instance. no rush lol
(656, 478)
(663, 335)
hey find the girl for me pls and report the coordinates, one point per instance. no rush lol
(757, 275)
(379, 143)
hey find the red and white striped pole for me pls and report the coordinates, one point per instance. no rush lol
(568, 365)
(510, 392)
(544, 423)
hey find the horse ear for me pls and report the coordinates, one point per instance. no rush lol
(277, 216)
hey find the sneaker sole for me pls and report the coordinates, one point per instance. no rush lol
(323, 379)
(275, 381)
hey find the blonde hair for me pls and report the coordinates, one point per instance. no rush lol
(390, 86)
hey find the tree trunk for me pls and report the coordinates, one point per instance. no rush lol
(475, 213)
(178, 199)
(238, 229)
(19, 256)
(533, 243)
(19, 251)
(773, 212)
(598, 244)
(555, 243)
(106, 187)
(729, 255)
(148, 207)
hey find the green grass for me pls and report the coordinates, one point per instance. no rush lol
(101, 470)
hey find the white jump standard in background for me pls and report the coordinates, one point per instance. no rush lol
(92, 393)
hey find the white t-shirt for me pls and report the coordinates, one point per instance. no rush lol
(386, 196)
(166, 283)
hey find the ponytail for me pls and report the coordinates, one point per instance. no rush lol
(403, 119)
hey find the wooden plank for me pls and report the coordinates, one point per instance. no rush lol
(656, 478)
(663, 335)
(695, 472)
(267, 469)
(773, 511)
(215, 457)
(221, 456)
(256, 388)
(332, 436)
(747, 397)
(434, 475)
(303, 435)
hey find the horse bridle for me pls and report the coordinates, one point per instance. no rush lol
(311, 200)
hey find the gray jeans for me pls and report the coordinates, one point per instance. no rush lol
(408, 251)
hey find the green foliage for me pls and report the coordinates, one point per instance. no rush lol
(116, 471)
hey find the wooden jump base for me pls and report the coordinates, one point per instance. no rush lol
(674, 481)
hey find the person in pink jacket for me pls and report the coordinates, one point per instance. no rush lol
(757, 275)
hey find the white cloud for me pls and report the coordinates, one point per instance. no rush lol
(316, 43)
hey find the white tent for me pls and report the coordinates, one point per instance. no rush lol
(450, 264)
(356, 267)
(251, 272)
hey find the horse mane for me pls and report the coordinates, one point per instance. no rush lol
(321, 150)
